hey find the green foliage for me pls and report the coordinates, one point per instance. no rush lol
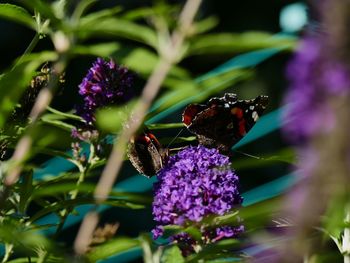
(133, 38)
(172, 255)
(113, 247)
(17, 14)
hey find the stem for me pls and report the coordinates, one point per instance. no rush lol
(83, 172)
(65, 213)
(109, 175)
(346, 238)
(8, 252)
(43, 100)
(29, 49)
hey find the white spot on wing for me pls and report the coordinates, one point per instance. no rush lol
(255, 116)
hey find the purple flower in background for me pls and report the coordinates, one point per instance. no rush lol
(195, 183)
(314, 76)
(105, 84)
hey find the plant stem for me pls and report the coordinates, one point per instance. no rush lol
(8, 252)
(346, 238)
(170, 53)
(29, 49)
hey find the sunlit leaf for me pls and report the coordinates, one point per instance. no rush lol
(17, 14)
(117, 27)
(286, 156)
(161, 126)
(112, 119)
(132, 60)
(205, 25)
(98, 50)
(172, 255)
(223, 43)
(112, 248)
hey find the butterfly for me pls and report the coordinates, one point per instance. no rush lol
(222, 122)
(146, 153)
(219, 123)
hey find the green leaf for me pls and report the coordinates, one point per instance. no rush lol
(45, 9)
(81, 8)
(58, 206)
(59, 124)
(286, 156)
(222, 43)
(172, 255)
(222, 249)
(17, 14)
(256, 216)
(112, 248)
(163, 126)
(65, 115)
(112, 119)
(97, 16)
(12, 86)
(181, 97)
(98, 50)
(205, 25)
(17, 233)
(116, 27)
(61, 188)
(132, 60)
(24, 260)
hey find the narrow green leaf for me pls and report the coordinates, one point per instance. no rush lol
(221, 249)
(283, 156)
(222, 43)
(162, 126)
(45, 9)
(205, 25)
(181, 97)
(97, 16)
(55, 207)
(112, 248)
(24, 260)
(98, 50)
(133, 58)
(57, 123)
(172, 255)
(81, 8)
(117, 27)
(65, 115)
(54, 189)
(17, 14)
(112, 119)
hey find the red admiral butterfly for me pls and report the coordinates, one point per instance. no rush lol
(223, 121)
(220, 123)
(146, 153)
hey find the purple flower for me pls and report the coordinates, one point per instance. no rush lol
(314, 77)
(195, 183)
(105, 84)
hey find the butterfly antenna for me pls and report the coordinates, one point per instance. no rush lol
(177, 135)
(249, 155)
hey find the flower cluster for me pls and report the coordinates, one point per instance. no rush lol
(105, 84)
(314, 77)
(195, 183)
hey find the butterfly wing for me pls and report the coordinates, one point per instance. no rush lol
(223, 121)
(146, 154)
